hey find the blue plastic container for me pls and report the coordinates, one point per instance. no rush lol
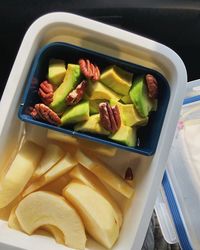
(148, 136)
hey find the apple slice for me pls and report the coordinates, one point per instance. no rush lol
(53, 153)
(104, 174)
(79, 142)
(20, 172)
(14, 224)
(59, 169)
(57, 233)
(96, 212)
(57, 185)
(44, 208)
(85, 176)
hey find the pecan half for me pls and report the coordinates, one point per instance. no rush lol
(45, 92)
(109, 117)
(32, 111)
(41, 111)
(152, 86)
(89, 70)
(129, 174)
(76, 95)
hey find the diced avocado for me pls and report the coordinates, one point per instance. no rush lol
(94, 106)
(99, 91)
(56, 71)
(125, 135)
(129, 114)
(92, 125)
(117, 79)
(70, 81)
(77, 113)
(140, 98)
(126, 99)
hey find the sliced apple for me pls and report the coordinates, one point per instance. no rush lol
(53, 153)
(12, 221)
(85, 176)
(14, 224)
(57, 185)
(44, 208)
(79, 142)
(59, 169)
(57, 233)
(104, 174)
(20, 172)
(96, 212)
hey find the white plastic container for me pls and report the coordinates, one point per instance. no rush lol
(179, 199)
(148, 170)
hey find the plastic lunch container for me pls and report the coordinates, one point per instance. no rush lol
(148, 135)
(83, 32)
(178, 203)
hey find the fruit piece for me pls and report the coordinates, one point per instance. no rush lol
(104, 174)
(45, 208)
(6, 211)
(126, 99)
(77, 113)
(140, 98)
(129, 114)
(20, 172)
(94, 106)
(99, 91)
(117, 79)
(53, 153)
(12, 221)
(85, 176)
(79, 142)
(56, 71)
(57, 185)
(95, 211)
(60, 168)
(125, 135)
(92, 125)
(70, 81)
(57, 233)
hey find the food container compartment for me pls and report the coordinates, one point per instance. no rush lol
(148, 170)
(147, 135)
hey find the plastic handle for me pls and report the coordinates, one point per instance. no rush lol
(165, 219)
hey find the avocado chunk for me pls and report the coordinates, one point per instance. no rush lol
(94, 106)
(92, 125)
(97, 90)
(129, 114)
(139, 96)
(117, 79)
(126, 99)
(56, 71)
(70, 81)
(125, 135)
(77, 113)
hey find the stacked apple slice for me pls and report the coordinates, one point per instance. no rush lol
(63, 193)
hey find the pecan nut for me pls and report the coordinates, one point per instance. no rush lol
(89, 70)
(43, 112)
(76, 95)
(152, 86)
(129, 174)
(32, 111)
(45, 92)
(109, 117)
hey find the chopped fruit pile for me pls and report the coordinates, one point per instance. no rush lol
(113, 103)
(64, 191)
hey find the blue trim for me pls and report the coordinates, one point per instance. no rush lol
(191, 99)
(180, 229)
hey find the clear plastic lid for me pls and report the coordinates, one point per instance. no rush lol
(182, 179)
